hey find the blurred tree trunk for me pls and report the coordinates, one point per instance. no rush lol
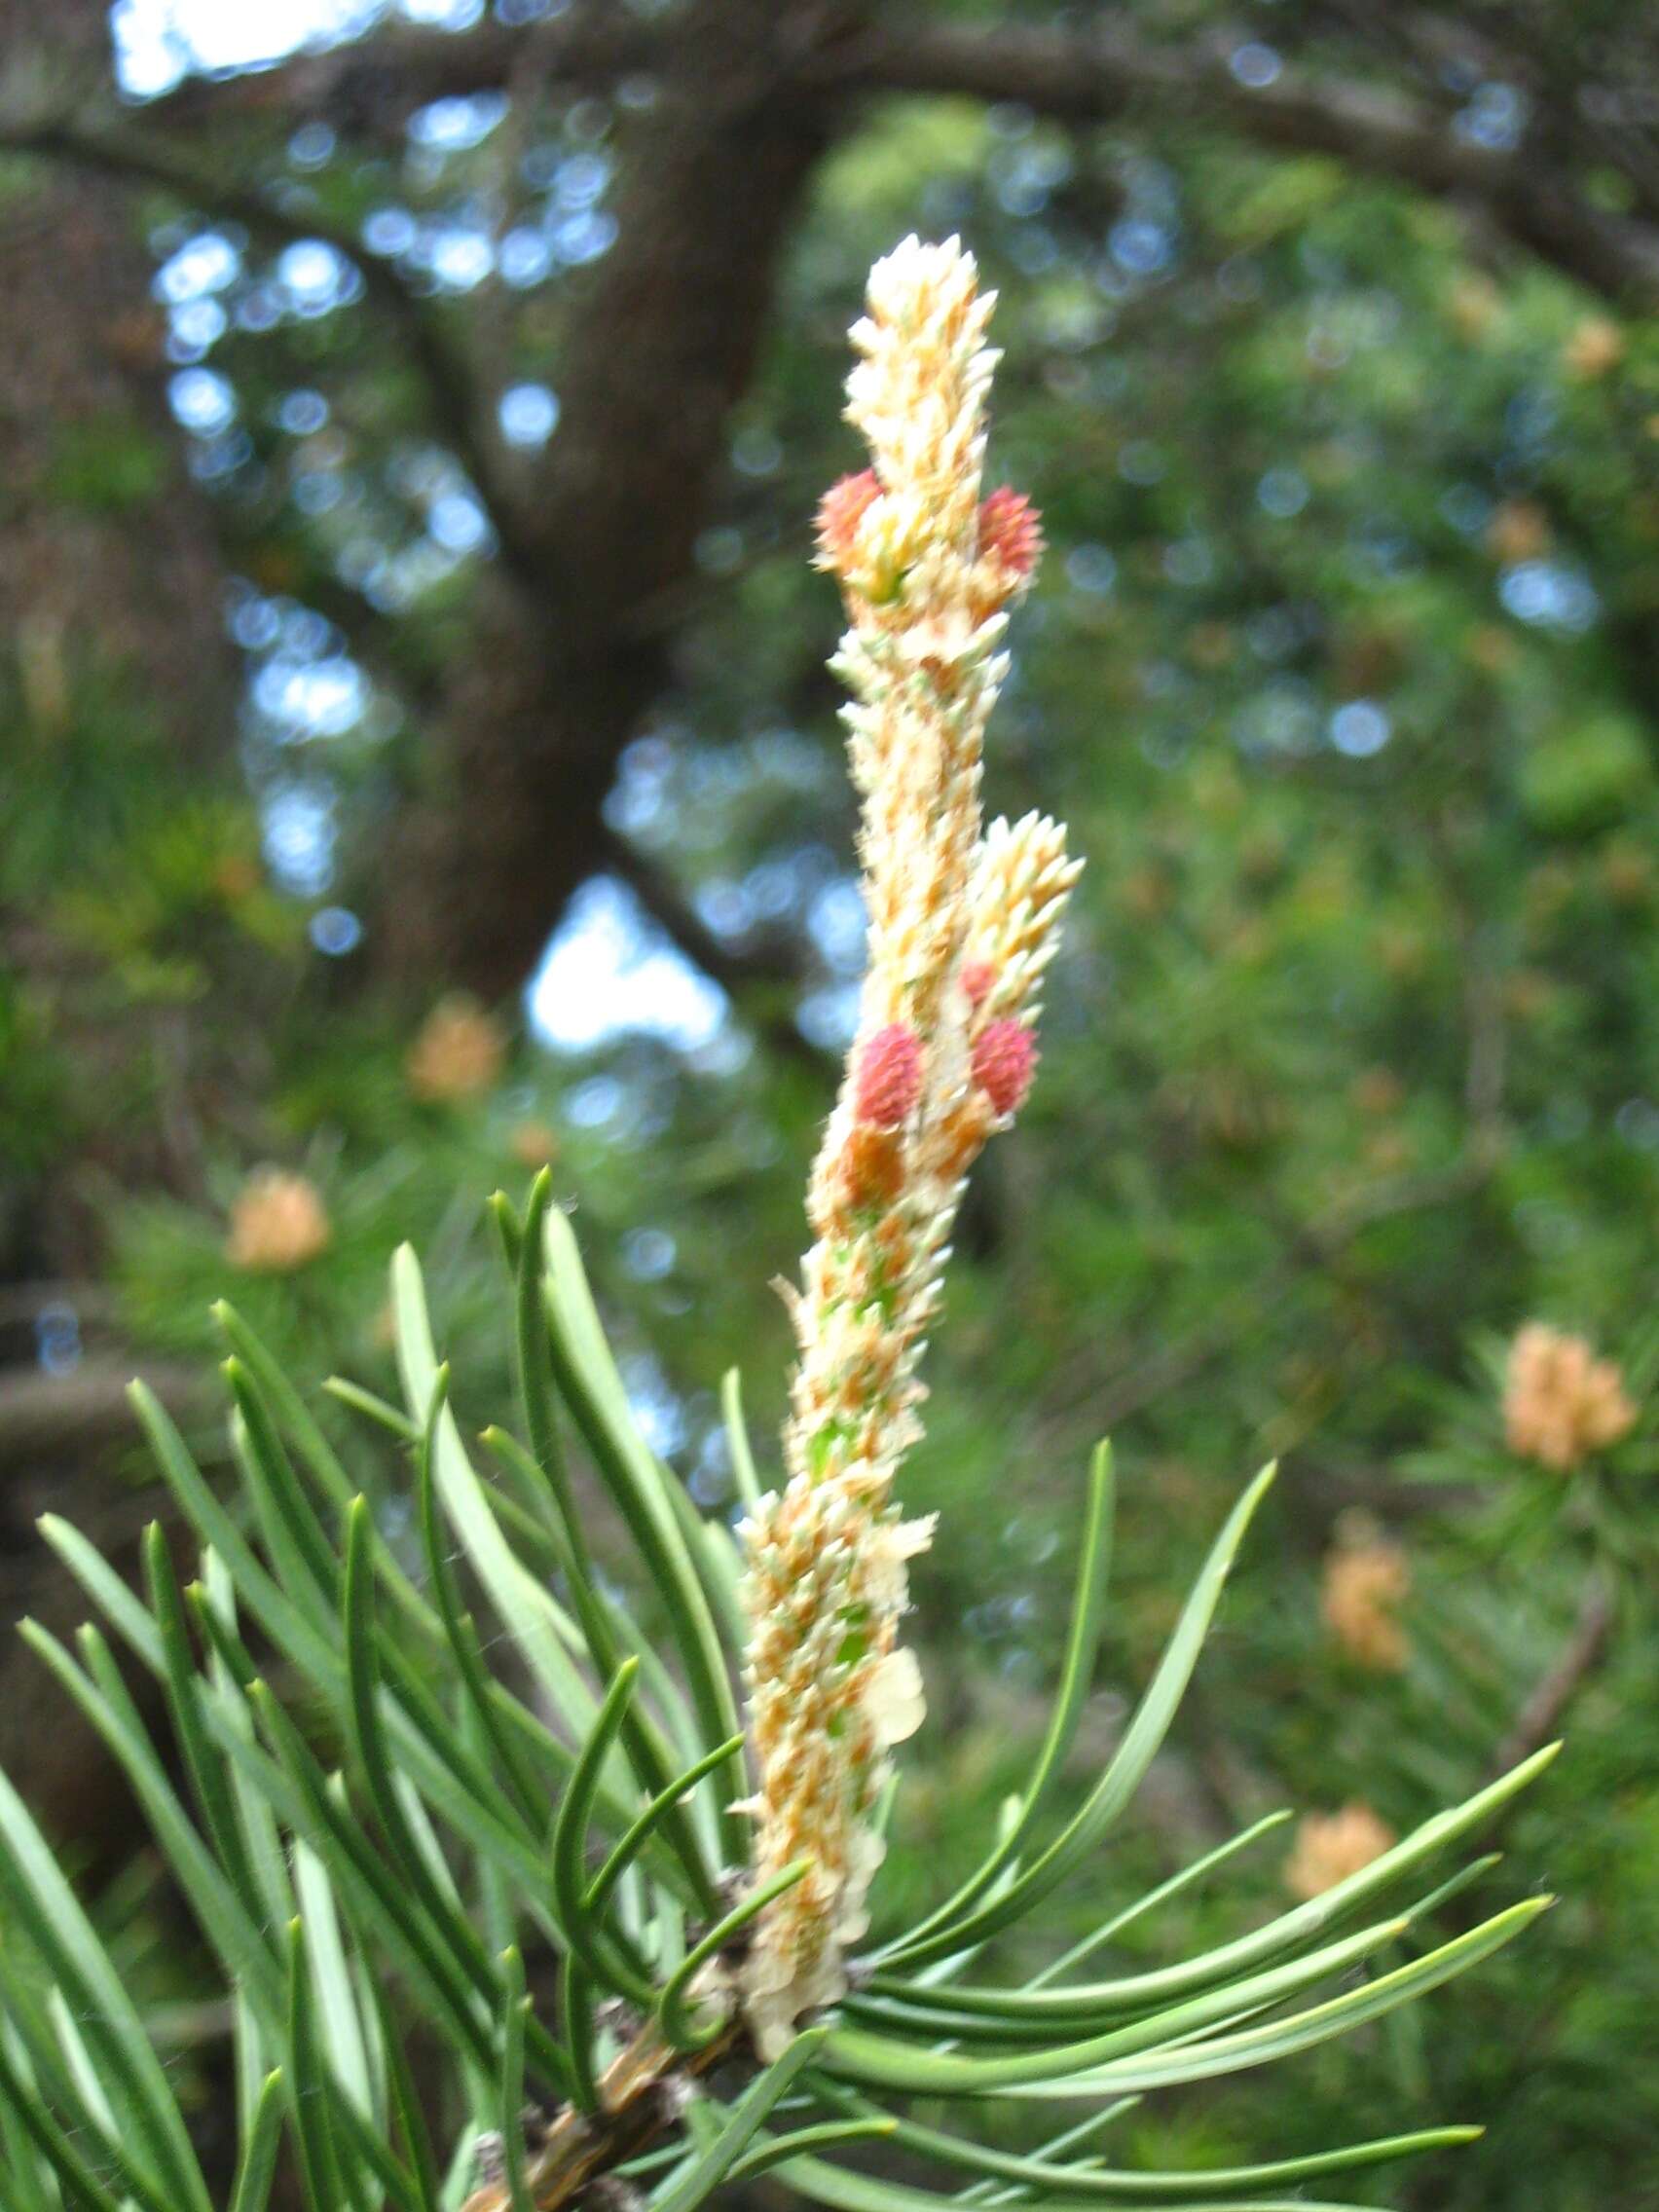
(110, 580)
(107, 554)
(110, 606)
(574, 645)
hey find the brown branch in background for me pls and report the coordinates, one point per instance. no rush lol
(23, 1303)
(373, 85)
(770, 968)
(137, 156)
(772, 959)
(69, 1415)
(1105, 74)
(1539, 1720)
(1540, 1717)
(1099, 74)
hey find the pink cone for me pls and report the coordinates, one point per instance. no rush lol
(1004, 1061)
(888, 1082)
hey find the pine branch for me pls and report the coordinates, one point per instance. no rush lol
(644, 2094)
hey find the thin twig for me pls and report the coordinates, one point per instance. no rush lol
(642, 2095)
(50, 1414)
(1539, 1717)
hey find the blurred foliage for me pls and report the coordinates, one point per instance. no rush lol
(1345, 670)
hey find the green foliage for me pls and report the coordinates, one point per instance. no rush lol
(383, 1835)
(1352, 1062)
(109, 464)
(33, 1081)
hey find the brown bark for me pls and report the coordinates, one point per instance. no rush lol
(110, 587)
(1111, 75)
(119, 575)
(370, 88)
(110, 612)
(662, 349)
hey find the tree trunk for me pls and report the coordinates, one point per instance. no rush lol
(662, 348)
(110, 635)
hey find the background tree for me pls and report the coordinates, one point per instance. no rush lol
(500, 355)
